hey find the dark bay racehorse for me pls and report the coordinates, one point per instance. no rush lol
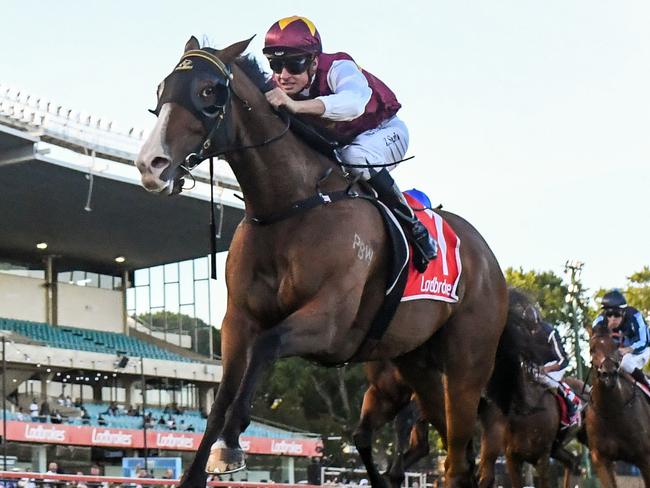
(618, 418)
(533, 432)
(299, 286)
(530, 431)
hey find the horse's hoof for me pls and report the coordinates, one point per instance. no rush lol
(224, 459)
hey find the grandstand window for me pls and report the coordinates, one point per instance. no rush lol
(173, 303)
(83, 278)
(142, 277)
(18, 270)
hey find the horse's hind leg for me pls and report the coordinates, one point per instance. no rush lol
(492, 439)
(467, 372)
(462, 393)
(418, 443)
(376, 411)
(403, 424)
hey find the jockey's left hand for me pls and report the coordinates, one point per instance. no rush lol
(278, 98)
(625, 350)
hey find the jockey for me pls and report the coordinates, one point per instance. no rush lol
(556, 362)
(629, 324)
(357, 106)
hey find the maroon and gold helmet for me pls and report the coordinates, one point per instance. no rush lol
(292, 35)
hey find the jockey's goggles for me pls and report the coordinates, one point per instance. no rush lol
(613, 313)
(295, 65)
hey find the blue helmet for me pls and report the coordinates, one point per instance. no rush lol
(613, 299)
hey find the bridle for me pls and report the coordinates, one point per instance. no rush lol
(616, 363)
(215, 117)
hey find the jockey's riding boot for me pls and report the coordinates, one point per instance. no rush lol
(389, 194)
(640, 377)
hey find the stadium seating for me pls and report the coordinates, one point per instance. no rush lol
(89, 340)
(189, 417)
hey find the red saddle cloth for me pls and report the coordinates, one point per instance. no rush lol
(441, 278)
(564, 411)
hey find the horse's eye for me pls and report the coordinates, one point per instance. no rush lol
(207, 91)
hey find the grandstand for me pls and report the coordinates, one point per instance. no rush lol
(89, 375)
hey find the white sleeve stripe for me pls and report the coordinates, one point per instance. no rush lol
(556, 346)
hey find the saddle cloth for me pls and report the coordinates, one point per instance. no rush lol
(564, 411)
(441, 278)
(440, 281)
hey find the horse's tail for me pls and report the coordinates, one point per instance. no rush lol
(516, 344)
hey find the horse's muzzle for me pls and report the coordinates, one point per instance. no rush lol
(607, 376)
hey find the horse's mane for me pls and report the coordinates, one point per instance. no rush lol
(517, 344)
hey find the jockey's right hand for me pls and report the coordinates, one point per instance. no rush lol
(278, 98)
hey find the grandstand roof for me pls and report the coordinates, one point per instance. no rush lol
(45, 182)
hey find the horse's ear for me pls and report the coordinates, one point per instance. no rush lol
(228, 54)
(192, 44)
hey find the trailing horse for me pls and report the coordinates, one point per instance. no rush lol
(388, 397)
(297, 284)
(618, 418)
(530, 430)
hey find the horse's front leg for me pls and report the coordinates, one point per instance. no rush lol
(305, 332)
(542, 468)
(515, 466)
(234, 347)
(226, 455)
(604, 469)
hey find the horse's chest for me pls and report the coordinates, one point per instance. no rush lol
(273, 294)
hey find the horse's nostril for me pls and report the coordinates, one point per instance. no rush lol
(160, 163)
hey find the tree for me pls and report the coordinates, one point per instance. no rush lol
(314, 398)
(636, 291)
(546, 288)
(550, 292)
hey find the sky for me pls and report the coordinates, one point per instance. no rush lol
(530, 119)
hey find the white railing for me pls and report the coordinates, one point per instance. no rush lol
(66, 127)
(91, 136)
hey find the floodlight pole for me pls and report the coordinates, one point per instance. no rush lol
(4, 403)
(144, 415)
(574, 269)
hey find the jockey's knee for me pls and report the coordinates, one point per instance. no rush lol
(628, 363)
(358, 155)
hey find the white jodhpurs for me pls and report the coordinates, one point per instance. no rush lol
(387, 143)
(630, 361)
(552, 379)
